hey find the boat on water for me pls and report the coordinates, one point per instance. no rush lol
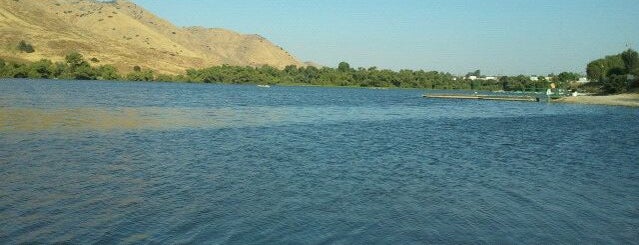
(264, 85)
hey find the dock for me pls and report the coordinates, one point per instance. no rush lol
(482, 97)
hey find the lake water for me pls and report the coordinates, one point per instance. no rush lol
(123, 162)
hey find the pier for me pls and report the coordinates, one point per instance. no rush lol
(482, 97)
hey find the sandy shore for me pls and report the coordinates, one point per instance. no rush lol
(618, 100)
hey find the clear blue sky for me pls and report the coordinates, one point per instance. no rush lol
(497, 36)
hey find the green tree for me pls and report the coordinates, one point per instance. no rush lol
(41, 69)
(596, 70)
(476, 73)
(2, 68)
(78, 68)
(615, 84)
(290, 69)
(19, 71)
(59, 70)
(75, 60)
(564, 79)
(631, 61)
(108, 72)
(165, 78)
(25, 47)
(505, 83)
(85, 73)
(142, 75)
(600, 69)
(343, 67)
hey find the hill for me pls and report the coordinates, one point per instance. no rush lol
(124, 34)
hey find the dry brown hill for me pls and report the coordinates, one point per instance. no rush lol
(124, 34)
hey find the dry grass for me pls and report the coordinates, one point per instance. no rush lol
(126, 35)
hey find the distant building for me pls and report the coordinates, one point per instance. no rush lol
(472, 78)
(534, 79)
(490, 78)
(583, 80)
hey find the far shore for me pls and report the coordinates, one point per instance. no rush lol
(630, 99)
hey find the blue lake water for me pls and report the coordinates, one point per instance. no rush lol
(123, 162)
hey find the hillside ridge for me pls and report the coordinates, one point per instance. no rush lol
(122, 33)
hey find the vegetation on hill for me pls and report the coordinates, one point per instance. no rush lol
(76, 67)
(615, 74)
(25, 47)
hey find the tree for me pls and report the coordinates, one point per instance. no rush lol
(165, 78)
(343, 67)
(41, 69)
(601, 69)
(25, 47)
(85, 72)
(616, 84)
(631, 61)
(142, 75)
(59, 70)
(290, 69)
(476, 73)
(75, 60)
(5, 69)
(567, 77)
(108, 72)
(596, 70)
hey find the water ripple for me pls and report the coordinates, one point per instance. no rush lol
(183, 163)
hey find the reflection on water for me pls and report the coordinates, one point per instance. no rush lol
(104, 119)
(161, 118)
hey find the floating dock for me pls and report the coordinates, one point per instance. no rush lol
(482, 97)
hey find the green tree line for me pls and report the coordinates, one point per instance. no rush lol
(76, 67)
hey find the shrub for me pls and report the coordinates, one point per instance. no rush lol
(25, 47)
(75, 60)
(616, 84)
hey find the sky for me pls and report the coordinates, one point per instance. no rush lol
(498, 37)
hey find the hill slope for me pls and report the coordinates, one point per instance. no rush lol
(124, 34)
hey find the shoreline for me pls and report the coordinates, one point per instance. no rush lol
(627, 99)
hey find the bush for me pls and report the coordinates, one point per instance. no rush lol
(616, 84)
(108, 72)
(75, 60)
(142, 75)
(25, 47)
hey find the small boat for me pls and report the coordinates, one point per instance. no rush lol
(264, 85)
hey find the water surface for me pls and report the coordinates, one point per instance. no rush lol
(124, 162)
